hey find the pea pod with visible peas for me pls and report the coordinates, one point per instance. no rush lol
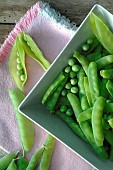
(35, 158)
(16, 64)
(6, 160)
(24, 123)
(98, 27)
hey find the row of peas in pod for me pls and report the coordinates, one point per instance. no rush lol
(82, 94)
(41, 159)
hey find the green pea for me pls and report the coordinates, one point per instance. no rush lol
(73, 74)
(74, 89)
(68, 85)
(72, 61)
(19, 72)
(12, 166)
(19, 67)
(69, 112)
(73, 81)
(64, 92)
(63, 108)
(18, 60)
(22, 77)
(67, 69)
(85, 47)
(89, 41)
(75, 67)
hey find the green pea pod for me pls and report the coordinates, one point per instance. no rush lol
(104, 61)
(22, 163)
(85, 126)
(111, 122)
(63, 101)
(87, 90)
(109, 136)
(98, 49)
(6, 160)
(107, 74)
(52, 101)
(108, 107)
(98, 27)
(93, 56)
(93, 81)
(47, 154)
(12, 166)
(85, 115)
(26, 127)
(83, 61)
(35, 158)
(109, 87)
(97, 126)
(84, 103)
(13, 65)
(53, 87)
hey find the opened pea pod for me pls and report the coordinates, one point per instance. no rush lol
(17, 66)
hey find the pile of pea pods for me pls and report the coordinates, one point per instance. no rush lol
(82, 94)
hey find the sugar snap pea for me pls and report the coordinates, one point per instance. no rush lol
(104, 61)
(26, 127)
(52, 101)
(72, 124)
(93, 81)
(93, 56)
(6, 160)
(12, 166)
(109, 87)
(98, 27)
(80, 76)
(35, 158)
(83, 61)
(53, 87)
(34, 47)
(85, 115)
(84, 103)
(22, 163)
(107, 74)
(47, 154)
(97, 126)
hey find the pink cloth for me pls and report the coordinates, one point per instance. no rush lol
(51, 39)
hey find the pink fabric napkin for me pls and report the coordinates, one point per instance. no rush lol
(51, 32)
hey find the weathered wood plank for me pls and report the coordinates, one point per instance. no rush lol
(4, 31)
(11, 10)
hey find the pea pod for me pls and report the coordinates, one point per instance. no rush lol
(26, 127)
(108, 107)
(98, 27)
(35, 158)
(87, 91)
(93, 81)
(12, 166)
(93, 56)
(72, 124)
(22, 163)
(17, 50)
(107, 74)
(104, 91)
(6, 160)
(109, 136)
(97, 126)
(111, 122)
(85, 115)
(51, 103)
(109, 87)
(53, 87)
(83, 61)
(104, 61)
(47, 154)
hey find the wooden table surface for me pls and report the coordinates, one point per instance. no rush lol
(12, 10)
